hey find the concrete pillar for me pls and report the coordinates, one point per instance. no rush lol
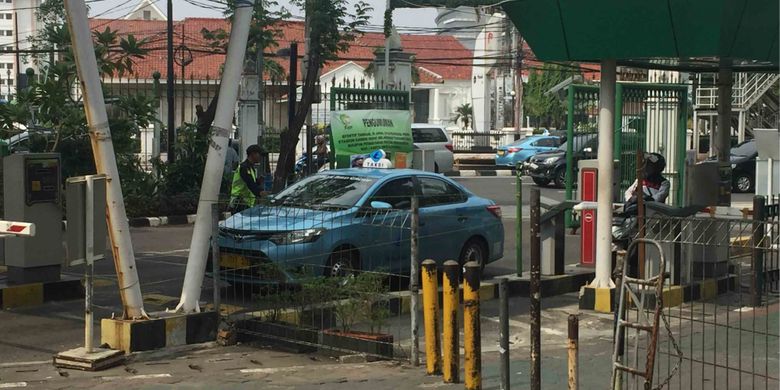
(604, 209)
(434, 107)
(723, 134)
(741, 127)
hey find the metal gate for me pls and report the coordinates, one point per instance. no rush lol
(652, 117)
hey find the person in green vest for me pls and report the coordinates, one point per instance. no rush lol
(245, 188)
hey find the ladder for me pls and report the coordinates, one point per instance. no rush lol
(638, 290)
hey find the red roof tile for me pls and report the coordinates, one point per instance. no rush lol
(439, 54)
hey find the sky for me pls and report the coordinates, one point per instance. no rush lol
(181, 9)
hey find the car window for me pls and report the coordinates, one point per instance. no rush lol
(437, 192)
(428, 134)
(325, 190)
(547, 143)
(745, 149)
(398, 193)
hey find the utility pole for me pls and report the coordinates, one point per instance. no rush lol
(105, 160)
(215, 160)
(18, 63)
(519, 53)
(170, 92)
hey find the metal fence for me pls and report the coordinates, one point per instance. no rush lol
(480, 142)
(303, 277)
(650, 117)
(720, 326)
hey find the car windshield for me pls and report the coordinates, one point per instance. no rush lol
(324, 191)
(428, 134)
(745, 149)
(579, 142)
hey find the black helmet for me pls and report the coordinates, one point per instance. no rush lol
(655, 163)
(253, 149)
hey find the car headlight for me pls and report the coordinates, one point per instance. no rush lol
(297, 236)
(733, 166)
(550, 160)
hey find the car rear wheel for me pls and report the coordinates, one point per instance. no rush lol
(541, 182)
(743, 183)
(342, 263)
(560, 177)
(474, 250)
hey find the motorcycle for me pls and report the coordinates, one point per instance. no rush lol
(301, 169)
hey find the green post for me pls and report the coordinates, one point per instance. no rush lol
(569, 153)
(519, 225)
(682, 131)
(617, 146)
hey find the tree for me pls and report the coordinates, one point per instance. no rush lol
(263, 34)
(547, 108)
(54, 113)
(332, 27)
(464, 113)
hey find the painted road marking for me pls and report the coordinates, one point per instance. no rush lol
(145, 376)
(298, 368)
(12, 385)
(22, 364)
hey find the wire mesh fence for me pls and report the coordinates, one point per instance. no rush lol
(328, 262)
(720, 326)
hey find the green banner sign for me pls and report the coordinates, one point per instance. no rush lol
(355, 132)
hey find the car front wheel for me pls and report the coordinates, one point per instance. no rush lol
(342, 263)
(560, 177)
(743, 183)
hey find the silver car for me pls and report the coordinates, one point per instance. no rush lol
(434, 137)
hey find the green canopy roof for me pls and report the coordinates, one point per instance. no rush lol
(672, 34)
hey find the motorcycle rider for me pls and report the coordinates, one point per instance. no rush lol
(655, 187)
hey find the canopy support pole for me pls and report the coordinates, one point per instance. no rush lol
(605, 166)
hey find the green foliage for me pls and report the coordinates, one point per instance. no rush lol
(264, 32)
(464, 113)
(548, 109)
(364, 299)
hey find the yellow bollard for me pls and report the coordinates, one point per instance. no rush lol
(451, 301)
(471, 333)
(431, 317)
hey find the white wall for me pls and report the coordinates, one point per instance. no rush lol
(444, 99)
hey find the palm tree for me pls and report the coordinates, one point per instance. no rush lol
(464, 113)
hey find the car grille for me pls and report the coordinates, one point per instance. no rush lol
(241, 235)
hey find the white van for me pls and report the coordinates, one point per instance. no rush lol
(434, 137)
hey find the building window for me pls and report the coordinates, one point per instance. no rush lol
(147, 15)
(9, 16)
(8, 1)
(9, 65)
(9, 33)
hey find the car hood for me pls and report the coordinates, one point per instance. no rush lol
(276, 219)
(545, 155)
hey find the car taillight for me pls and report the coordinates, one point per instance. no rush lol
(514, 150)
(495, 210)
(448, 146)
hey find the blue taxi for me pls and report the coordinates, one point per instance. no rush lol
(339, 221)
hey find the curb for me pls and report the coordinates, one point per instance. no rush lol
(486, 172)
(33, 294)
(601, 299)
(166, 220)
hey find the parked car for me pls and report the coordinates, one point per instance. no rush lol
(551, 166)
(743, 166)
(522, 150)
(434, 137)
(358, 219)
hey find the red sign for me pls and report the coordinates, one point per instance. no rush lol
(589, 183)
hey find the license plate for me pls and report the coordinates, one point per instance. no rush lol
(532, 166)
(230, 260)
(501, 152)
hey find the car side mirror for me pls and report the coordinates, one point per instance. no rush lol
(381, 205)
